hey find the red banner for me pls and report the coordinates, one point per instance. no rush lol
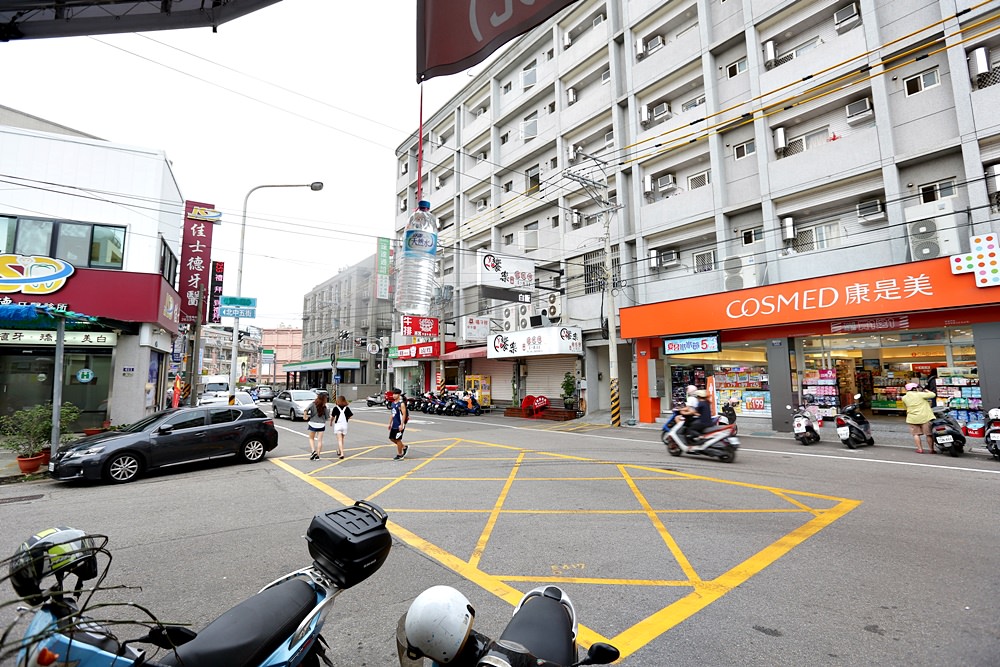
(419, 326)
(453, 35)
(215, 293)
(196, 255)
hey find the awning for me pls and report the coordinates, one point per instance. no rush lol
(466, 353)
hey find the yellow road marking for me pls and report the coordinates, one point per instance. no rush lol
(703, 592)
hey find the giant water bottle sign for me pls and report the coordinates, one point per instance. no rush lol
(416, 275)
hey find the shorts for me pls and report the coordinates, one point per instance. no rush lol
(920, 429)
(317, 428)
(340, 428)
(395, 434)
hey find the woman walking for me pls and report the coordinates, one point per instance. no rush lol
(340, 414)
(317, 414)
(919, 415)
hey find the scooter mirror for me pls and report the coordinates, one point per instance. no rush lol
(788, 407)
(600, 654)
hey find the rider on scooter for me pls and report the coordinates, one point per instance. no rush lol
(697, 419)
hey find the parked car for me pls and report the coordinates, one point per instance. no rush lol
(292, 403)
(170, 437)
(242, 398)
(265, 392)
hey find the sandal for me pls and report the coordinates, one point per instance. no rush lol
(920, 451)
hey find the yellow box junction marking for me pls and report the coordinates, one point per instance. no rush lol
(703, 592)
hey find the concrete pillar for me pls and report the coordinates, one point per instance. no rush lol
(779, 374)
(986, 338)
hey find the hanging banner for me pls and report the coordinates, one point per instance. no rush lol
(196, 252)
(215, 293)
(382, 263)
(419, 326)
(453, 35)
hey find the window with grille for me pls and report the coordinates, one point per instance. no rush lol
(745, 149)
(704, 261)
(807, 141)
(691, 104)
(921, 82)
(935, 191)
(819, 237)
(593, 270)
(700, 180)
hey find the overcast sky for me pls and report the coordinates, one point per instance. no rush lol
(297, 92)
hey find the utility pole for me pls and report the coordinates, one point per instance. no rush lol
(596, 191)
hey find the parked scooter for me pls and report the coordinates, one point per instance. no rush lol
(279, 626)
(947, 432)
(805, 423)
(543, 631)
(853, 428)
(993, 432)
(375, 399)
(472, 403)
(717, 441)
(456, 406)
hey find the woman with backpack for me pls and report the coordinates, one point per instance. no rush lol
(340, 414)
(317, 414)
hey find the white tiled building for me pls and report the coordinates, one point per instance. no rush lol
(746, 143)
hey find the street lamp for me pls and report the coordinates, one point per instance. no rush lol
(233, 370)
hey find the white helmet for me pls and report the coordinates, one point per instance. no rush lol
(438, 622)
(994, 413)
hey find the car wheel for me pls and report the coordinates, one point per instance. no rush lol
(122, 468)
(252, 450)
(291, 413)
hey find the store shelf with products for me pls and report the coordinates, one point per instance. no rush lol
(958, 388)
(887, 392)
(681, 377)
(819, 387)
(747, 387)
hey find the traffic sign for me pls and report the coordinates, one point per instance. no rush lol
(235, 311)
(241, 301)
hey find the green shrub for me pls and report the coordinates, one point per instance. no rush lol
(29, 431)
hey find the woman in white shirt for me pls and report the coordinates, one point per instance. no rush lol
(339, 416)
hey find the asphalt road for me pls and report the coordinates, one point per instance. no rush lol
(789, 556)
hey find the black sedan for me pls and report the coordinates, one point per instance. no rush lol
(167, 438)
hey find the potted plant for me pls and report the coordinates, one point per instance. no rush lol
(28, 433)
(569, 391)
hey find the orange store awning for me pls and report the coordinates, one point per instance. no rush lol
(466, 353)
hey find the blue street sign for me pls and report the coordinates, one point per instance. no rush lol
(235, 311)
(242, 301)
(336, 378)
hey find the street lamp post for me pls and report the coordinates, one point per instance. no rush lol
(233, 369)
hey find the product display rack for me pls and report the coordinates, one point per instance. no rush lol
(820, 388)
(958, 388)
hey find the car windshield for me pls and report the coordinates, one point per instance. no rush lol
(144, 424)
(303, 395)
(217, 386)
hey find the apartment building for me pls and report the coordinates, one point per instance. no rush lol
(798, 196)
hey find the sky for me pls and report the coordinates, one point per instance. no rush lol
(298, 92)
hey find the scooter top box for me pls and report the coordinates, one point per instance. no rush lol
(350, 544)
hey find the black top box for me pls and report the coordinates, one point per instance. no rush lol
(350, 544)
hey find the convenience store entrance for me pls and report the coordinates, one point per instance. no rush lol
(878, 365)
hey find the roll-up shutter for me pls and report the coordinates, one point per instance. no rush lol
(545, 375)
(501, 375)
(850, 191)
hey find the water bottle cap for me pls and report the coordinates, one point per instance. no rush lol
(424, 205)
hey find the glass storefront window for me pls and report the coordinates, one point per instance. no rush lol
(72, 243)
(737, 373)
(7, 229)
(107, 250)
(34, 237)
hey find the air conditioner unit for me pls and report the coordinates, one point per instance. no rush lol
(572, 152)
(661, 110)
(523, 316)
(669, 258)
(932, 230)
(859, 111)
(552, 306)
(606, 76)
(481, 205)
(993, 176)
(654, 43)
(508, 317)
(788, 229)
(481, 157)
(647, 184)
(770, 55)
(739, 273)
(780, 140)
(567, 40)
(609, 138)
(644, 116)
(576, 218)
(598, 20)
(666, 182)
(571, 96)
(402, 204)
(539, 320)
(438, 182)
(870, 211)
(979, 62)
(640, 48)
(480, 111)
(846, 18)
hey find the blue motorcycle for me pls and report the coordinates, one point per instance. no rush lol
(278, 627)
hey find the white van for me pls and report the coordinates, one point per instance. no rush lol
(214, 389)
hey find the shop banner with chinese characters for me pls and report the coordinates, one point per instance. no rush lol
(902, 288)
(196, 256)
(535, 342)
(215, 293)
(383, 261)
(475, 327)
(421, 350)
(419, 326)
(73, 338)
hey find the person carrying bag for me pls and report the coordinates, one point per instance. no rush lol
(317, 414)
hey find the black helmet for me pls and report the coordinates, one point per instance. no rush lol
(58, 551)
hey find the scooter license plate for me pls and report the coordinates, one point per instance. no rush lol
(994, 436)
(945, 438)
(800, 428)
(843, 432)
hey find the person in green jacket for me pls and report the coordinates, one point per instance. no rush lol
(919, 415)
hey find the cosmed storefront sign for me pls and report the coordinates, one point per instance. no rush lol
(902, 288)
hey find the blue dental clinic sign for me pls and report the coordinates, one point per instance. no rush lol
(691, 344)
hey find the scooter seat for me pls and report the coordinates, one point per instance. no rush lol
(249, 632)
(716, 428)
(544, 627)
